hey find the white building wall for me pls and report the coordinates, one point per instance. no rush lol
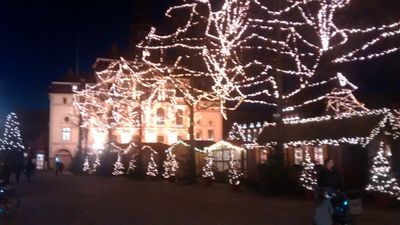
(209, 120)
(59, 112)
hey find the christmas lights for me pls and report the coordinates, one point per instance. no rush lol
(233, 173)
(12, 140)
(229, 44)
(152, 170)
(118, 167)
(207, 170)
(382, 179)
(132, 164)
(170, 166)
(308, 176)
(86, 165)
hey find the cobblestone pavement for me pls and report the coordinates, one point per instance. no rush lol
(92, 200)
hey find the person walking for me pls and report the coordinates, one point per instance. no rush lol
(328, 178)
(29, 168)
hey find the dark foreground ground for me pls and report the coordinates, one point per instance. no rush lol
(92, 200)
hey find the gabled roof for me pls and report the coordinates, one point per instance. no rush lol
(223, 145)
(358, 128)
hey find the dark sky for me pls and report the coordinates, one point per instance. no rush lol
(38, 43)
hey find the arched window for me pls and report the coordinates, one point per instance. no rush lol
(160, 116)
(179, 117)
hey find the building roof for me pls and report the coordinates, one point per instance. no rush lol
(358, 128)
(64, 83)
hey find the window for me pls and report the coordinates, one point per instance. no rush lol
(319, 155)
(160, 116)
(210, 122)
(222, 158)
(65, 100)
(210, 135)
(179, 117)
(263, 156)
(160, 139)
(66, 133)
(198, 135)
(298, 155)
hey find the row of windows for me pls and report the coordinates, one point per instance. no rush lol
(160, 117)
(210, 135)
(299, 155)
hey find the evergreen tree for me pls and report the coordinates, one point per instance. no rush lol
(233, 173)
(12, 140)
(118, 167)
(382, 179)
(308, 177)
(208, 166)
(170, 166)
(152, 167)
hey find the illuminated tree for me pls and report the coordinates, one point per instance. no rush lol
(86, 165)
(12, 140)
(118, 167)
(382, 179)
(152, 170)
(308, 176)
(170, 166)
(245, 50)
(96, 162)
(132, 164)
(233, 173)
(208, 166)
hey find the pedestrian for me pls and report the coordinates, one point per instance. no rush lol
(29, 168)
(328, 177)
(323, 210)
(4, 174)
(58, 166)
(61, 168)
(18, 171)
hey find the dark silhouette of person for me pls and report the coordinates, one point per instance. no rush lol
(4, 174)
(328, 178)
(18, 170)
(29, 168)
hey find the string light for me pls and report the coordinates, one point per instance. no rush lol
(152, 170)
(220, 37)
(207, 170)
(86, 165)
(170, 166)
(12, 140)
(233, 174)
(118, 167)
(308, 175)
(382, 179)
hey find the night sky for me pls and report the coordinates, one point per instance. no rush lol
(38, 42)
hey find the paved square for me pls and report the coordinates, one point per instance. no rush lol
(93, 200)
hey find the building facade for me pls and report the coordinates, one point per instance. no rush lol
(162, 122)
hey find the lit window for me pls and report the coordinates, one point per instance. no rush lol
(298, 155)
(66, 133)
(263, 156)
(210, 135)
(179, 117)
(160, 116)
(319, 155)
(160, 139)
